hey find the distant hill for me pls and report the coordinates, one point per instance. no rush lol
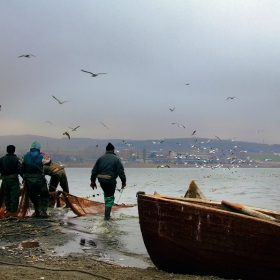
(23, 142)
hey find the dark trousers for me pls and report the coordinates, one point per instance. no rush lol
(37, 191)
(59, 178)
(109, 191)
(11, 192)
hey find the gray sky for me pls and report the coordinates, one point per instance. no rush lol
(149, 50)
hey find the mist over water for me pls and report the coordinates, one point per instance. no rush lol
(120, 240)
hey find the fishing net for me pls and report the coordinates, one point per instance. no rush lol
(79, 205)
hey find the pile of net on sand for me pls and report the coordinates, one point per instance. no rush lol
(79, 205)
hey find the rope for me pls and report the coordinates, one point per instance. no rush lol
(56, 269)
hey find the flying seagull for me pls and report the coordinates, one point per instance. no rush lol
(172, 109)
(179, 125)
(49, 122)
(27, 55)
(60, 102)
(67, 134)
(75, 128)
(104, 125)
(194, 132)
(187, 84)
(93, 74)
(218, 138)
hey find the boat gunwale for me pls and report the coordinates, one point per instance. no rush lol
(207, 204)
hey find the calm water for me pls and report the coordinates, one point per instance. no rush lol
(120, 240)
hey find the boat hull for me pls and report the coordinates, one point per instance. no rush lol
(186, 237)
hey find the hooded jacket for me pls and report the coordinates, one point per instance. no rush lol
(32, 163)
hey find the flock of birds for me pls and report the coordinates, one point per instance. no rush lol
(66, 133)
(220, 153)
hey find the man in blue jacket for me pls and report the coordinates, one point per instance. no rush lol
(35, 180)
(10, 168)
(107, 169)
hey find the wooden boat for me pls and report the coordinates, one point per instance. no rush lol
(197, 236)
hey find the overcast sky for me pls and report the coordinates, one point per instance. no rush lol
(150, 50)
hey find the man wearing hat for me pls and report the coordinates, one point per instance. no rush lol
(10, 167)
(35, 180)
(107, 169)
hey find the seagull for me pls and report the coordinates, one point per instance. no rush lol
(194, 132)
(60, 102)
(179, 125)
(92, 74)
(27, 55)
(0, 107)
(163, 166)
(231, 97)
(75, 128)
(160, 142)
(67, 134)
(259, 130)
(61, 164)
(49, 122)
(172, 109)
(187, 84)
(104, 125)
(218, 138)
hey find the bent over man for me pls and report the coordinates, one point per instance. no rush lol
(35, 180)
(10, 167)
(107, 169)
(58, 176)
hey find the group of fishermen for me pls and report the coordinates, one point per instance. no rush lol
(35, 164)
(32, 168)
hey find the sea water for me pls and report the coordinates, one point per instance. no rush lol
(120, 240)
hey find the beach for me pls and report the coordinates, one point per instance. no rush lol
(27, 247)
(114, 249)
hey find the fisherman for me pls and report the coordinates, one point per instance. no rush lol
(10, 168)
(35, 180)
(58, 176)
(107, 169)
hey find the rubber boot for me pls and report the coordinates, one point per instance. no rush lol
(37, 213)
(107, 213)
(44, 206)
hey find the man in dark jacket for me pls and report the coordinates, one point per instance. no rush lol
(10, 167)
(35, 180)
(107, 169)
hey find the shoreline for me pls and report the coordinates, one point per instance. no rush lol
(153, 165)
(27, 251)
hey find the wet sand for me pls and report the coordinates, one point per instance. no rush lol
(29, 250)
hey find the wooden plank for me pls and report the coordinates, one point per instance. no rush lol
(194, 191)
(249, 211)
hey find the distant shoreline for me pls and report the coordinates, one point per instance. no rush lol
(153, 165)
